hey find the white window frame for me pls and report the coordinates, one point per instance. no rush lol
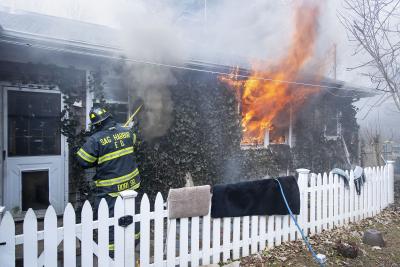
(338, 128)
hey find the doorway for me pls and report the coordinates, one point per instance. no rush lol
(34, 149)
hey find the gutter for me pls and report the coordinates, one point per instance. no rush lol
(57, 44)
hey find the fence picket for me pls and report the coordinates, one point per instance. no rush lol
(383, 194)
(362, 199)
(352, 197)
(346, 207)
(87, 235)
(343, 192)
(246, 235)
(370, 191)
(194, 244)
(183, 242)
(278, 230)
(158, 230)
(293, 228)
(69, 236)
(359, 204)
(226, 230)
(313, 190)
(325, 201)
(271, 231)
(145, 231)
(254, 234)
(319, 207)
(206, 239)
(236, 238)
(263, 232)
(378, 188)
(385, 185)
(331, 201)
(50, 237)
(119, 239)
(381, 186)
(336, 199)
(390, 164)
(365, 194)
(103, 237)
(374, 191)
(7, 236)
(216, 240)
(171, 243)
(30, 239)
(285, 228)
(340, 195)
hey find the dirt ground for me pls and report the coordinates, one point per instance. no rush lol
(296, 254)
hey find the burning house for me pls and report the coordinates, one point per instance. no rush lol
(226, 124)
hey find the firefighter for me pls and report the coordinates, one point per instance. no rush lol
(111, 150)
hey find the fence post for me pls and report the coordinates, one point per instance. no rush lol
(128, 198)
(391, 180)
(303, 185)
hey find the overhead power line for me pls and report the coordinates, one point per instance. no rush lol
(86, 53)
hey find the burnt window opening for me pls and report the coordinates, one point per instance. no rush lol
(35, 189)
(279, 132)
(278, 135)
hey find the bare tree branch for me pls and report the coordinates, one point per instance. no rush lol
(374, 26)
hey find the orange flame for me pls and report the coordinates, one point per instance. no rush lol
(263, 99)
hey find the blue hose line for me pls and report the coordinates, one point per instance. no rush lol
(298, 227)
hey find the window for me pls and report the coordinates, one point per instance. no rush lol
(119, 111)
(34, 123)
(116, 97)
(333, 127)
(278, 133)
(35, 189)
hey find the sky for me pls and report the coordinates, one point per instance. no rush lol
(225, 31)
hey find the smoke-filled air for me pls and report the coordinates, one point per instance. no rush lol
(275, 39)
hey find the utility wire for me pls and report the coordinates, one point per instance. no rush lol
(327, 87)
(376, 105)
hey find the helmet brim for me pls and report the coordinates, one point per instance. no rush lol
(100, 120)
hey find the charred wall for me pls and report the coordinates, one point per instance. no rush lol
(313, 150)
(204, 140)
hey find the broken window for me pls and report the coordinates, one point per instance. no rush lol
(279, 132)
(278, 135)
(35, 189)
(34, 123)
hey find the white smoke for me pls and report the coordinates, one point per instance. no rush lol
(228, 32)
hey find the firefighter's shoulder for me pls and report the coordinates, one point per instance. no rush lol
(98, 135)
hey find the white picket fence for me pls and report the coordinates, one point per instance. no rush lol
(325, 203)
